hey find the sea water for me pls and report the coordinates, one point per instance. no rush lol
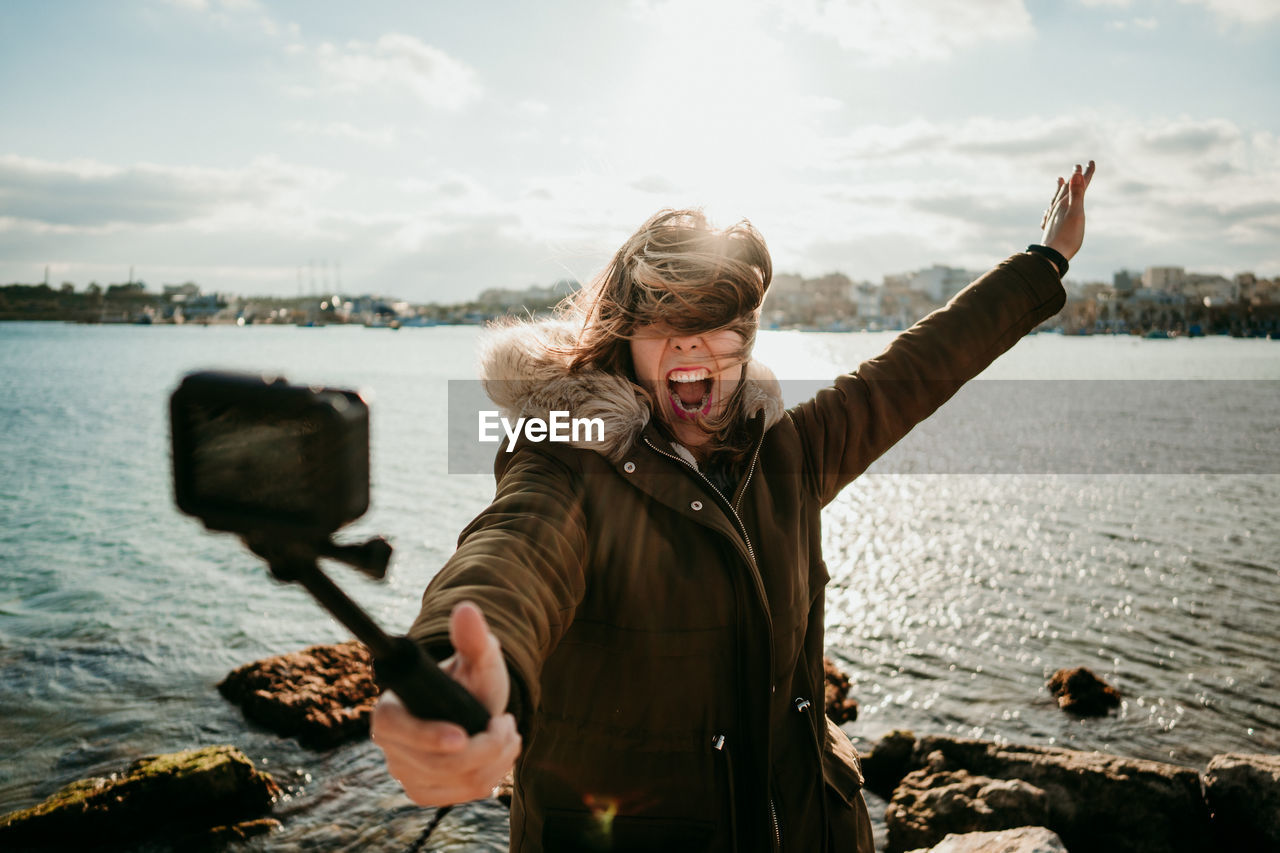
(953, 595)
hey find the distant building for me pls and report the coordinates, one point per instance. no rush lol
(1210, 290)
(868, 301)
(1126, 282)
(1246, 284)
(535, 296)
(834, 289)
(1149, 296)
(178, 292)
(941, 283)
(365, 309)
(201, 307)
(1169, 279)
(900, 305)
(1098, 291)
(131, 288)
(1256, 291)
(827, 301)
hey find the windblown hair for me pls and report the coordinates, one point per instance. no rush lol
(679, 273)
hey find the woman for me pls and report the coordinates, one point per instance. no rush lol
(643, 614)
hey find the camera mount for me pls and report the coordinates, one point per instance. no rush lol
(399, 664)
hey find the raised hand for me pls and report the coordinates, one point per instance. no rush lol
(435, 761)
(1063, 220)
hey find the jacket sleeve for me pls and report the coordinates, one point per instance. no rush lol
(522, 562)
(847, 426)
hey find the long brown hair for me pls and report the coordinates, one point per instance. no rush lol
(678, 271)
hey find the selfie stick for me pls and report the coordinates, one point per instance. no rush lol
(399, 664)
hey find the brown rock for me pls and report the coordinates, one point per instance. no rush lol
(243, 830)
(322, 695)
(175, 793)
(506, 790)
(835, 694)
(1097, 802)
(1243, 793)
(928, 806)
(888, 761)
(1026, 839)
(1081, 692)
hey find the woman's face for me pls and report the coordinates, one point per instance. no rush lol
(689, 375)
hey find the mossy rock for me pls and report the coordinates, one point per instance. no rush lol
(178, 793)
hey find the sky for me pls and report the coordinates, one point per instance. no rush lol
(430, 150)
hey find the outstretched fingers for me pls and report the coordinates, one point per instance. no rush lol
(1079, 183)
(1081, 177)
(1048, 211)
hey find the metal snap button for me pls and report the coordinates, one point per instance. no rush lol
(696, 505)
(629, 467)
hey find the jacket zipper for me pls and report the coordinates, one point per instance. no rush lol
(742, 528)
(719, 745)
(755, 576)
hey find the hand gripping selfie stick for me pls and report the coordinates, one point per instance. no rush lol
(399, 664)
(284, 467)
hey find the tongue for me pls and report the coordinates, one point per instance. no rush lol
(691, 393)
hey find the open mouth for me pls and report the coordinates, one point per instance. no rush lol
(690, 391)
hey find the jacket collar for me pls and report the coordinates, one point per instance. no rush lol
(524, 367)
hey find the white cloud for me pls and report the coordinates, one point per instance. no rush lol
(879, 31)
(888, 31)
(86, 194)
(234, 13)
(1133, 23)
(398, 62)
(1195, 191)
(381, 137)
(1241, 11)
(1186, 190)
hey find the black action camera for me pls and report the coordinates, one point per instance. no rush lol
(253, 453)
(284, 467)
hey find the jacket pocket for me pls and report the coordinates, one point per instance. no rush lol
(841, 769)
(584, 832)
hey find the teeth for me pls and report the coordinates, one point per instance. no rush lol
(690, 375)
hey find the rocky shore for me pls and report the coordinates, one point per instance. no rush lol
(194, 798)
(1091, 801)
(322, 695)
(944, 794)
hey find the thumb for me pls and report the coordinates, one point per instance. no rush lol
(478, 661)
(470, 634)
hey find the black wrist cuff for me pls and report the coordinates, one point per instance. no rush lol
(1053, 255)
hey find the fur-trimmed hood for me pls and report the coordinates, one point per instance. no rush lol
(525, 371)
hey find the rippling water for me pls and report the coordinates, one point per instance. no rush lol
(952, 596)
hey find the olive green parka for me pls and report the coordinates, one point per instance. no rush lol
(664, 640)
